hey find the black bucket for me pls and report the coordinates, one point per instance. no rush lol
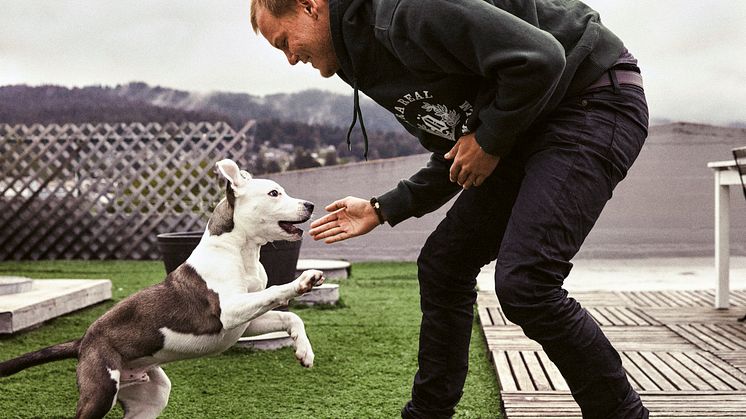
(278, 258)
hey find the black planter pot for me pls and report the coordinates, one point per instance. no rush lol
(278, 258)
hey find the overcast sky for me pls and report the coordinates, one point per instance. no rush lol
(692, 52)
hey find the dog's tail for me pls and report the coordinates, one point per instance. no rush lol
(42, 356)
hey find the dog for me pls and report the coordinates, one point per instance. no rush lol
(202, 308)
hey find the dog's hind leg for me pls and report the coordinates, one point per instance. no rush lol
(274, 321)
(98, 381)
(147, 399)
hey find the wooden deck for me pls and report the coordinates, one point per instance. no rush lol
(685, 358)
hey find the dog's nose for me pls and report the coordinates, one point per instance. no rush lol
(309, 206)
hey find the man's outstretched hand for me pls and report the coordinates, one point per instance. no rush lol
(349, 217)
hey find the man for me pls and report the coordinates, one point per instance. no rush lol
(534, 111)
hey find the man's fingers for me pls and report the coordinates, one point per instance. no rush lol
(455, 171)
(452, 153)
(329, 232)
(336, 205)
(334, 216)
(473, 181)
(337, 238)
(464, 176)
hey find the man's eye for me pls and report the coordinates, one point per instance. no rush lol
(273, 193)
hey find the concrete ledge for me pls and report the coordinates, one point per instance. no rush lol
(333, 269)
(50, 298)
(266, 342)
(14, 284)
(322, 294)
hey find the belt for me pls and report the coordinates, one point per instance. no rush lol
(622, 77)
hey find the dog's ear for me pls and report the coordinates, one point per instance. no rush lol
(235, 176)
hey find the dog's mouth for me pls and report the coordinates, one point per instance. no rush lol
(290, 228)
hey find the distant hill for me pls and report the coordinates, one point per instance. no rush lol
(55, 104)
(297, 127)
(27, 104)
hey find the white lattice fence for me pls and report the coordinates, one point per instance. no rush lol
(105, 191)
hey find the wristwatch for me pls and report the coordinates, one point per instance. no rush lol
(377, 208)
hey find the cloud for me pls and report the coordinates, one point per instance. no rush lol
(690, 50)
(689, 54)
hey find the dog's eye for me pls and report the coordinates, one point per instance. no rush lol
(273, 193)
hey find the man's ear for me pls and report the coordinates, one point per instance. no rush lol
(236, 177)
(309, 7)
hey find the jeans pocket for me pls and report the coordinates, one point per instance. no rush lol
(619, 122)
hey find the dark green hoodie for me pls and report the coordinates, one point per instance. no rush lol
(445, 68)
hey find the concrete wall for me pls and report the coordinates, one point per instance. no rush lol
(664, 207)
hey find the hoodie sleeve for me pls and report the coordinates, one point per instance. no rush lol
(519, 63)
(424, 192)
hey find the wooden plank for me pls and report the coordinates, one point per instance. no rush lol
(645, 316)
(599, 298)
(536, 370)
(724, 371)
(722, 336)
(598, 315)
(625, 319)
(734, 358)
(694, 315)
(693, 379)
(660, 404)
(624, 338)
(660, 380)
(504, 371)
(710, 337)
(731, 335)
(520, 371)
(671, 374)
(639, 379)
(498, 317)
(555, 377)
(703, 369)
(638, 299)
(484, 316)
(508, 338)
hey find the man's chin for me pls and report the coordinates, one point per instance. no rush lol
(326, 73)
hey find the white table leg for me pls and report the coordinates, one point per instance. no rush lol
(722, 243)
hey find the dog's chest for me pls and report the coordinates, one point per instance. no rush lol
(229, 272)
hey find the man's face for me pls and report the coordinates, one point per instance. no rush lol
(303, 35)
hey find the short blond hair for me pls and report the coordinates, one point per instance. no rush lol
(276, 8)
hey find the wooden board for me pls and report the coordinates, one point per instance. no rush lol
(685, 358)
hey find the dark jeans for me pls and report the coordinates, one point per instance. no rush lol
(532, 215)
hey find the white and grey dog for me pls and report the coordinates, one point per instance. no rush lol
(203, 307)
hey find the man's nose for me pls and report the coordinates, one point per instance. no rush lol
(292, 58)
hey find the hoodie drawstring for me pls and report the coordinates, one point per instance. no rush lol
(356, 111)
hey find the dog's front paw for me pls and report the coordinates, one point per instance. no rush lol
(305, 355)
(309, 279)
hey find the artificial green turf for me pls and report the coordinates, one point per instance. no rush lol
(366, 355)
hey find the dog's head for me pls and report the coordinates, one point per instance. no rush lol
(257, 208)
